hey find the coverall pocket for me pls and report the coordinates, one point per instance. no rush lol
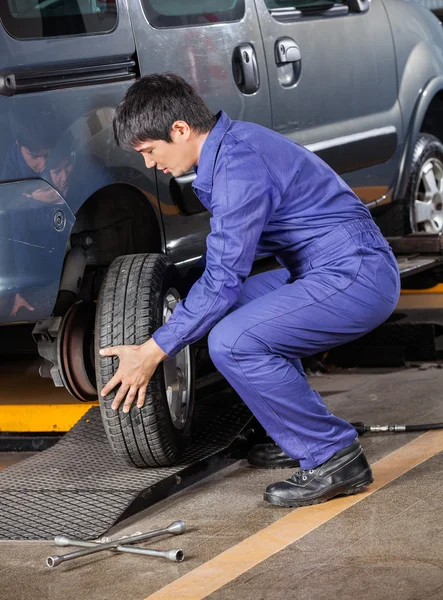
(388, 278)
(380, 273)
(379, 269)
(338, 265)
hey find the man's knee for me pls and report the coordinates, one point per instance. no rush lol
(222, 338)
(217, 344)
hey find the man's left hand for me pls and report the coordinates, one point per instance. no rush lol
(137, 365)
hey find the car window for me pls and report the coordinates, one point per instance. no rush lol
(301, 5)
(179, 13)
(28, 19)
(431, 4)
(436, 6)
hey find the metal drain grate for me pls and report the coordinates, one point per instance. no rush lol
(79, 488)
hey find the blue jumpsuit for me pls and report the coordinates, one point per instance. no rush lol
(339, 279)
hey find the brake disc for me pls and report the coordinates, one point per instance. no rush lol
(76, 351)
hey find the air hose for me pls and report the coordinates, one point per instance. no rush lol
(362, 428)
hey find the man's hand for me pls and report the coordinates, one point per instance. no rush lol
(20, 302)
(136, 367)
(45, 195)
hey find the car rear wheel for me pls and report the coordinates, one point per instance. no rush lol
(425, 190)
(422, 207)
(137, 296)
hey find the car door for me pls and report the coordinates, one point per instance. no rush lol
(217, 47)
(332, 76)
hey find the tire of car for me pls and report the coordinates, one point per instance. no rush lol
(138, 295)
(422, 207)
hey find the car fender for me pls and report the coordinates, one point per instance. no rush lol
(418, 42)
(424, 99)
(35, 226)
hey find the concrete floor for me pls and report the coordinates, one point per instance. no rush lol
(382, 545)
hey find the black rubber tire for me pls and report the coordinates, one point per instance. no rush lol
(129, 310)
(397, 219)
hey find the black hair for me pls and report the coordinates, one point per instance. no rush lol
(152, 105)
(33, 128)
(63, 151)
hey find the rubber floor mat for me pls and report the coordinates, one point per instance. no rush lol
(80, 488)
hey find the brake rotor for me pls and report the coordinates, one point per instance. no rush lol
(76, 351)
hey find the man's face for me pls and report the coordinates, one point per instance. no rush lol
(36, 160)
(60, 175)
(176, 157)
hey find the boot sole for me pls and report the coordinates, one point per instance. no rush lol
(294, 464)
(345, 489)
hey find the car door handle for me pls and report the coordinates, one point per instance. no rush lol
(286, 51)
(288, 61)
(7, 84)
(245, 69)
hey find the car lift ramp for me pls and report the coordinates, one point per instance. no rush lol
(78, 487)
(417, 252)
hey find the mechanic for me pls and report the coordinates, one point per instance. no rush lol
(34, 139)
(267, 195)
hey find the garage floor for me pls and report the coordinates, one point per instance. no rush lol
(384, 543)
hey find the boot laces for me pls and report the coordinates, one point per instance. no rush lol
(302, 474)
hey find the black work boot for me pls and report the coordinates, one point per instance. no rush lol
(270, 456)
(346, 472)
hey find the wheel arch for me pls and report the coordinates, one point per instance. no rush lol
(424, 119)
(115, 208)
(114, 221)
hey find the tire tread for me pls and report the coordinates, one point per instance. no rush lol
(129, 310)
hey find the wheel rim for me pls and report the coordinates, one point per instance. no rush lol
(177, 371)
(428, 198)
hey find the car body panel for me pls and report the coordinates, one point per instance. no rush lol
(359, 110)
(343, 105)
(202, 54)
(33, 241)
(80, 117)
(418, 37)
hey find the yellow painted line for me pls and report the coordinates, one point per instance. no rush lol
(437, 289)
(224, 568)
(41, 417)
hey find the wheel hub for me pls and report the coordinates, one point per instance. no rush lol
(177, 371)
(428, 202)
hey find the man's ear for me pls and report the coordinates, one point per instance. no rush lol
(180, 130)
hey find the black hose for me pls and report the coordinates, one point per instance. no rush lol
(361, 428)
(424, 427)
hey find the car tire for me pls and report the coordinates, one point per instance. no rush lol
(421, 209)
(137, 296)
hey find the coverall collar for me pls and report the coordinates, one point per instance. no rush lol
(209, 151)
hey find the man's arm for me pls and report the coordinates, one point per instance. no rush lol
(243, 199)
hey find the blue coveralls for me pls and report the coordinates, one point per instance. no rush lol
(339, 280)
